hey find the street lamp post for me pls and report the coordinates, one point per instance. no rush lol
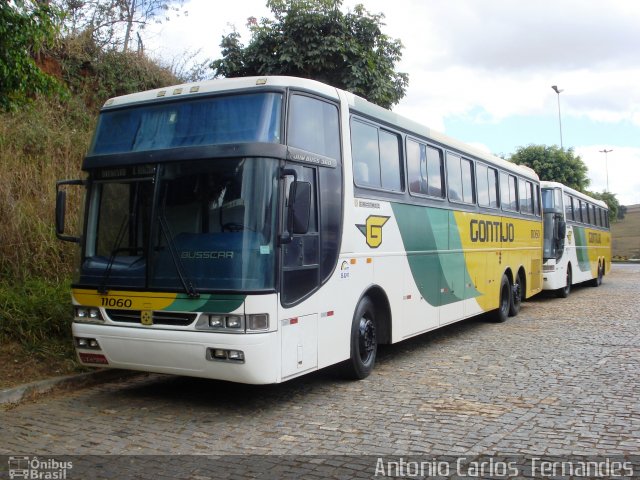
(558, 90)
(606, 164)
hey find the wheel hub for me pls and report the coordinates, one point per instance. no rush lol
(367, 338)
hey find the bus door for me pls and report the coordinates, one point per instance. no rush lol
(299, 269)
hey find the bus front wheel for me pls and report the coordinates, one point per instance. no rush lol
(502, 313)
(364, 342)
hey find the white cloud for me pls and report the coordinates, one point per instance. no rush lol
(623, 168)
(490, 61)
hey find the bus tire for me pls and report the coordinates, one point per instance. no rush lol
(516, 296)
(364, 342)
(566, 290)
(502, 313)
(596, 282)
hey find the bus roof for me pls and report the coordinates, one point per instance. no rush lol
(573, 192)
(357, 103)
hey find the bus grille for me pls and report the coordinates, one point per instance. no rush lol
(159, 318)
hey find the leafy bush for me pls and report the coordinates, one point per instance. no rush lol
(35, 311)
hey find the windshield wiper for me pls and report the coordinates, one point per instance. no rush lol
(102, 289)
(186, 282)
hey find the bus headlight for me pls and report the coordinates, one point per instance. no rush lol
(216, 321)
(87, 314)
(234, 321)
(227, 323)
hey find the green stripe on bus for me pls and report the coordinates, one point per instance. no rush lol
(214, 303)
(440, 275)
(581, 249)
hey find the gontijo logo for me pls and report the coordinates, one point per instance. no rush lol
(372, 229)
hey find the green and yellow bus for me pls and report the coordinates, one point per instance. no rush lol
(257, 229)
(577, 241)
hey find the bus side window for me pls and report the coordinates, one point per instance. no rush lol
(366, 158)
(513, 193)
(313, 126)
(424, 164)
(568, 208)
(454, 178)
(468, 192)
(390, 169)
(376, 157)
(504, 191)
(483, 185)
(435, 172)
(487, 186)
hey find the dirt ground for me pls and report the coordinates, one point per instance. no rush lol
(18, 365)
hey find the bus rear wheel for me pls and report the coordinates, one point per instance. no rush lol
(596, 282)
(564, 291)
(364, 341)
(502, 313)
(516, 296)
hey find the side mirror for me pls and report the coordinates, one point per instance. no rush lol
(61, 208)
(300, 207)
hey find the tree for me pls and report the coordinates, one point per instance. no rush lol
(554, 164)
(616, 211)
(112, 23)
(315, 39)
(26, 27)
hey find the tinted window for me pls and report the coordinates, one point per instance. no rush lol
(467, 181)
(425, 169)
(366, 159)
(568, 208)
(493, 187)
(585, 212)
(188, 123)
(313, 126)
(434, 172)
(579, 209)
(487, 186)
(513, 191)
(504, 190)
(526, 196)
(390, 161)
(376, 157)
(454, 178)
(483, 185)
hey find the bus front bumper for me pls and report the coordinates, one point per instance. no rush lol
(190, 353)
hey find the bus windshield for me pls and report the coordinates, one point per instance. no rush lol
(207, 121)
(207, 224)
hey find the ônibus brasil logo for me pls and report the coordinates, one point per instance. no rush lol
(35, 468)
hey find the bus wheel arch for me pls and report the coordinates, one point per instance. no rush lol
(371, 325)
(563, 292)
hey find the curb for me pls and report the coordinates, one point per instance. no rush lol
(21, 393)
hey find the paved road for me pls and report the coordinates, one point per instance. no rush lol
(562, 378)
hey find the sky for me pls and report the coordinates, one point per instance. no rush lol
(481, 71)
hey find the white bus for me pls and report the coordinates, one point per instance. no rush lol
(577, 241)
(257, 229)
